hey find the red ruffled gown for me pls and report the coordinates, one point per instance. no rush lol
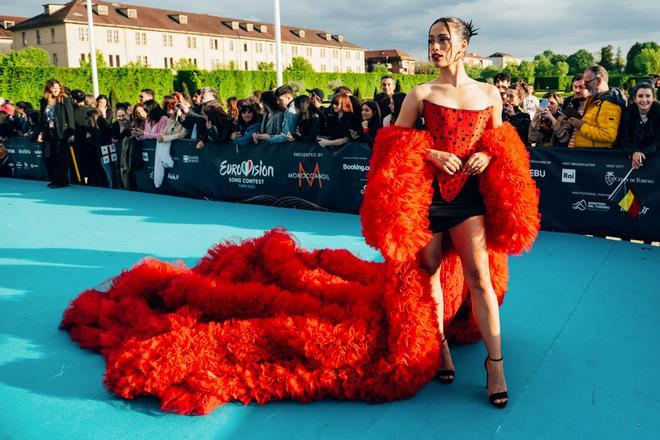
(265, 320)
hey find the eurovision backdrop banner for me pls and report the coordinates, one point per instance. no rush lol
(24, 160)
(574, 183)
(293, 175)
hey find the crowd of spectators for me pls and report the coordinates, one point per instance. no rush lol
(103, 136)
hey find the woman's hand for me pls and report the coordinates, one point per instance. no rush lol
(447, 162)
(200, 145)
(476, 164)
(160, 138)
(638, 159)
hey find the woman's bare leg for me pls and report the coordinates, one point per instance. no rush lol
(431, 256)
(469, 239)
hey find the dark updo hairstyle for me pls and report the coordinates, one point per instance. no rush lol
(465, 29)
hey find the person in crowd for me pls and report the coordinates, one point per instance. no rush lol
(219, 126)
(196, 101)
(316, 96)
(195, 121)
(502, 79)
(146, 95)
(80, 109)
(284, 95)
(233, 109)
(6, 111)
(356, 103)
(126, 106)
(58, 125)
(121, 127)
(90, 100)
(340, 122)
(549, 127)
(530, 103)
(248, 124)
(513, 114)
(87, 157)
(172, 130)
(18, 124)
(395, 108)
(273, 117)
(370, 124)
(156, 120)
(308, 123)
(387, 86)
(599, 126)
(102, 156)
(640, 125)
(103, 106)
(579, 96)
(138, 121)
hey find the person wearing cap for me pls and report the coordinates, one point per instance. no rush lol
(316, 97)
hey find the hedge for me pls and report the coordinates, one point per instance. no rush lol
(26, 84)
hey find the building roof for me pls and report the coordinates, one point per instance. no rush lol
(166, 20)
(6, 33)
(389, 53)
(501, 55)
(474, 56)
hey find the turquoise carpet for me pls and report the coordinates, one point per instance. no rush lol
(581, 324)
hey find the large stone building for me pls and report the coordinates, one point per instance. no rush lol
(6, 36)
(474, 60)
(396, 60)
(503, 59)
(159, 38)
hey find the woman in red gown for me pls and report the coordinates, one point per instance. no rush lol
(456, 110)
(265, 320)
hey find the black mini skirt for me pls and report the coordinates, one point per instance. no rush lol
(444, 215)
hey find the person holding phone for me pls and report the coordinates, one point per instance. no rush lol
(549, 127)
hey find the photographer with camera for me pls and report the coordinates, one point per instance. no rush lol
(549, 127)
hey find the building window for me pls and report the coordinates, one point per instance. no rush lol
(38, 37)
(323, 53)
(246, 65)
(83, 33)
(245, 48)
(165, 62)
(83, 58)
(336, 69)
(215, 44)
(55, 59)
(231, 45)
(167, 40)
(110, 59)
(309, 51)
(141, 38)
(192, 42)
(294, 50)
(24, 40)
(323, 68)
(143, 60)
(335, 53)
(52, 35)
(272, 49)
(108, 34)
(117, 61)
(115, 36)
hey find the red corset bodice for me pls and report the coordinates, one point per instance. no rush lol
(455, 131)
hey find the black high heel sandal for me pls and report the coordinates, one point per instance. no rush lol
(496, 396)
(445, 376)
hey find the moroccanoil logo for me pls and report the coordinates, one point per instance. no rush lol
(308, 177)
(246, 168)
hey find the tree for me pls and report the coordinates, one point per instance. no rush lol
(634, 51)
(648, 61)
(561, 68)
(380, 69)
(266, 67)
(297, 86)
(232, 65)
(620, 62)
(30, 57)
(579, 61)
(526, 71)
(607, 57)
(473, 72)
(397, 87)
(543, 66)
(558, 57)
(512, 71)
(100, 61)
(184, 64)
(375, 92)
(300, 64)
(185, 91)
(113, 99)
(489, 72)
(357, 93)
(425, 68)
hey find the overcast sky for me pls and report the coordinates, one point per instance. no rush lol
(522, 28)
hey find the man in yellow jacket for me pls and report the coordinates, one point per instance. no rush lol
(599, 126)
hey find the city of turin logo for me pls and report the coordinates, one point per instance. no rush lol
(610, 178)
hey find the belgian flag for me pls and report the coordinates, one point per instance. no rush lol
(624, 197)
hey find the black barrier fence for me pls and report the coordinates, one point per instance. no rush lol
(574, 183)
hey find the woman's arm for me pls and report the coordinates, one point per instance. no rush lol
(410, 109)
(334, 142)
